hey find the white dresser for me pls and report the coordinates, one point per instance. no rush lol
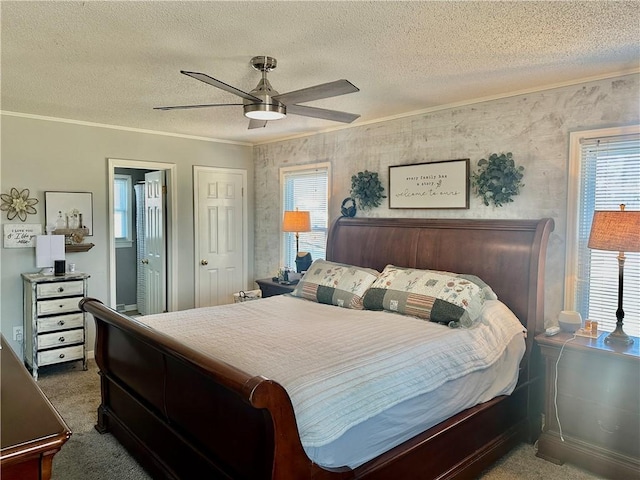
(54, 326)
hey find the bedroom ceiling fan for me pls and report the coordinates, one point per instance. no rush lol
(263, 103)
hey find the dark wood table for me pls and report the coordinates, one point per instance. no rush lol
(271, 287)
(32, 430)
(598, 404)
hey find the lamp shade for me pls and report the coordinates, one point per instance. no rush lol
(615, 230)
(296, 221)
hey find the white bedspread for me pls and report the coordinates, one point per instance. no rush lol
(339, 366)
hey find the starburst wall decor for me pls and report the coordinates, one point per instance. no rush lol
(18, 204)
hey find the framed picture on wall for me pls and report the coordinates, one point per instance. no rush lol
(69, 210)
(443, 184)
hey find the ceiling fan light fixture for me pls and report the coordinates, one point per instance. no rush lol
(265, 111)
(263, 103)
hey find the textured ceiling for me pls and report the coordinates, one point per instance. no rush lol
(111, 62)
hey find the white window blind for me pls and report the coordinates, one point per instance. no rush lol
(609, 176)
(123, 209)
(307, 189)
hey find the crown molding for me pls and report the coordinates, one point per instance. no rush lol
(117, 127)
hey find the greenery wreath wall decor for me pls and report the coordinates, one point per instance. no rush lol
(498, 179)
(367, 190)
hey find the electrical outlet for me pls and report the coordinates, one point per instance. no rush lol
(17, 334)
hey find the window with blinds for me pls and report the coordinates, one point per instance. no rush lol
(123, 210)
(608, 175)
(307, 189)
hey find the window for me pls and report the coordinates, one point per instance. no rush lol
(123, 210)
(604, 172)
(307, 189)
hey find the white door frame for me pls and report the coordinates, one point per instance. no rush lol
(172, 225)
(196, 227)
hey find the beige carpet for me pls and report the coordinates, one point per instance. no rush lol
(89, 455)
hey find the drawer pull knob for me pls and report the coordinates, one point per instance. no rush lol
(61, 289)
(61, 322)
(61, 355)
(61, 339)
(607, 429)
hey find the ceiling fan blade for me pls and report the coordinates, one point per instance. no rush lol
(217, 83)
(324, 90)
(184, 107)
(334, 115)
(253, 123)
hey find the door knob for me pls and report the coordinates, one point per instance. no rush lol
(204, 262)
(145, 262)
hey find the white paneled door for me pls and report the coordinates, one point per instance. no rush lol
(220, 235)
(155, 262)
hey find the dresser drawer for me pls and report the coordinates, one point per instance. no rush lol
(60, 322)
(59, 355)
(68, 337)
(60, 289)
(612, 428)
(615, 384)
(60, 305)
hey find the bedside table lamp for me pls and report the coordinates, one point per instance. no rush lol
(295, 221)
(617, 231)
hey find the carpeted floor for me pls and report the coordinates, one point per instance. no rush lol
(89, 455)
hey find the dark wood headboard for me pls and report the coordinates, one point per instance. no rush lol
(509, 255)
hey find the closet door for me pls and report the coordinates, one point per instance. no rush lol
(155, 262)
(220, 234)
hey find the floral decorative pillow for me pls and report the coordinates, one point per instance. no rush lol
(335, 284)
(443, 297)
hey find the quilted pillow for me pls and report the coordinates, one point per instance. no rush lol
(443, 297)
(335, 284)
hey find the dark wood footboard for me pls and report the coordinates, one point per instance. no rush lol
(184, 414)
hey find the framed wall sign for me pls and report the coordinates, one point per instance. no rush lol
(443, 184)
(21, 235)
(69, 210)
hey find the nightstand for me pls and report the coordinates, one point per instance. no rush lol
(598, 404)
(270, 288)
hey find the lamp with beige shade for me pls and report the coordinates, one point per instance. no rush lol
(617, 231)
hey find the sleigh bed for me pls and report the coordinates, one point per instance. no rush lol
(185, 412)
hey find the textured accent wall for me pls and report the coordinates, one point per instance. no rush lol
(535, 127)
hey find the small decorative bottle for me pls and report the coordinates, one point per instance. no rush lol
(60, 222)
